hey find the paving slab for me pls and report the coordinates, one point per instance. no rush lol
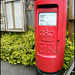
(10, 69)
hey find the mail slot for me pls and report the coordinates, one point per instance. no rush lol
(50, 30)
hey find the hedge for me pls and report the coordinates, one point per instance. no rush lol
(20, 48)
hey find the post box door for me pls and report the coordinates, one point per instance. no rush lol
(47, 31)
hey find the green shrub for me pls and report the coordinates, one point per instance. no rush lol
(69, 51)
(20, 48)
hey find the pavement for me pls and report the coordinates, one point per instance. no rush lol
(10, 69)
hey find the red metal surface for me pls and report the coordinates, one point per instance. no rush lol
(50, 51)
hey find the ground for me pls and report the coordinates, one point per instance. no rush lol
(10, 69)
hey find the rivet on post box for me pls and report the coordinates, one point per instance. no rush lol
(50, 30)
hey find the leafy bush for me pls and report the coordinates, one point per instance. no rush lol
(20, 48)
(69, 51)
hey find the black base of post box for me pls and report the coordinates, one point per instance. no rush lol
(39, 72)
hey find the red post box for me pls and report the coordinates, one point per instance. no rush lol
(50, 30)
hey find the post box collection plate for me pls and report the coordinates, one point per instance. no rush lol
(48, 18)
